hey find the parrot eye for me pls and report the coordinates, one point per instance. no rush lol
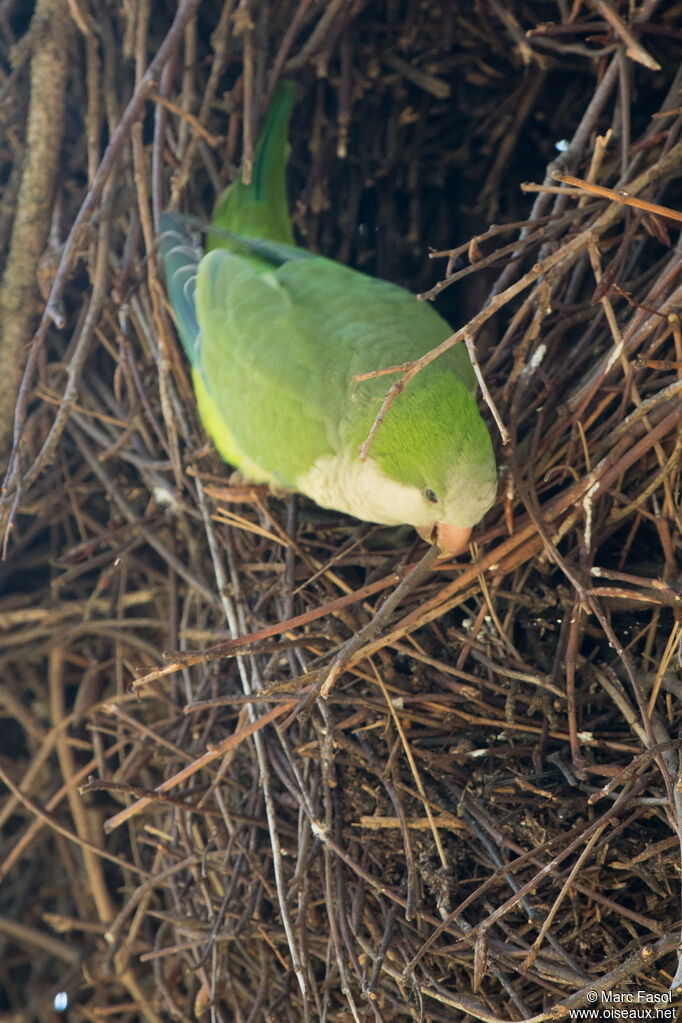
(430, 496)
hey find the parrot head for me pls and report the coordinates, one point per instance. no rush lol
(453, 493)
(431, 463)
(434, 443)
(458, 508)
(437, 445)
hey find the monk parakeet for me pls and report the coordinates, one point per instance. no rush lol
(276, 336)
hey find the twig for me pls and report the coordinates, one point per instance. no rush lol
(621, 197)
(356, 642)
(214, 752)
(634, 49)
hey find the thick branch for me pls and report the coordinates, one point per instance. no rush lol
(51, 31)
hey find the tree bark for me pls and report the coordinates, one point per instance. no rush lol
(49, 38)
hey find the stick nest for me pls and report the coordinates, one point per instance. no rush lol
(482, 819)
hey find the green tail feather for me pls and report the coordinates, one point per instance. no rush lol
(260, 209)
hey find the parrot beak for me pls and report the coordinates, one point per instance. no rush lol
(450, 539)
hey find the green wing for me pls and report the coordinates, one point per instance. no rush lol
(256, 358)
(279, 351)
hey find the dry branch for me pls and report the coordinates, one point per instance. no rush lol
(49, 42)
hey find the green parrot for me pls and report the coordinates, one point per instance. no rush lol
(276, 336)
